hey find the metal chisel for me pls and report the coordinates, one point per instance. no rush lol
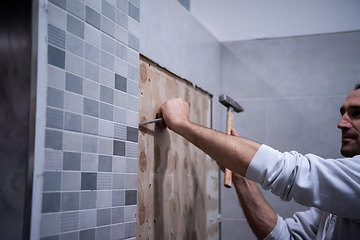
(151, 121)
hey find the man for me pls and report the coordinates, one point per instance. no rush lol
(331, 187)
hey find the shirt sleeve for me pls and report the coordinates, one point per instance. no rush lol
(303, 225)
(331, 185)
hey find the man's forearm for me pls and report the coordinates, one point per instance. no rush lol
(235, 153)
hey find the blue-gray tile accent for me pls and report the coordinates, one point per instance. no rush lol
(93, 17)
(90, 144)
(71, 161)
(74, 83)
(92, 53)
(105, 163)
(136, 3)
(73, 122)
(92, 71)
(108, 10)
(103, 233)
(50, 202)
(118, 181)
(134, 12)
(56, 36)
(69, 221)
(107, 43)
(120, 83)
(54, 118)
(121, 51)
(55, 98)
(91, 107)
(185, 3)
(69, 236)
(52, 181)
(75, 26)
(107, 26)
(75, 45)
(77, 8)
(130, 230)
(123, 5)
(103, 217)
(90, 125)
(53, 139)
(88, 181)
(70, 201)
(59, 3)
(134, 42)
(56, 57)
(106, 111)
(130, 197)
(118, 198)
(106, 94)
(119, 148)
(88, 234)
(131, 134)
(120, 131)
(107, 60)
(117, 215)
(88, 200)
(121, 19)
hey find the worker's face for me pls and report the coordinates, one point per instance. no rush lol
(350, 125)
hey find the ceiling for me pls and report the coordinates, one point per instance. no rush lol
(232, 20)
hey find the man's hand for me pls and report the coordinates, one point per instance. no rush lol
(174, 112)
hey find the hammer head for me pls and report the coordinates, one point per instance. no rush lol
(230, 103)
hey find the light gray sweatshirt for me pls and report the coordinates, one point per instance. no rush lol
(330, 186)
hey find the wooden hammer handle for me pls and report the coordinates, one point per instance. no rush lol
(229, 126)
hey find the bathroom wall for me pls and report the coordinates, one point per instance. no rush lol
(87, 116)
(291, 90)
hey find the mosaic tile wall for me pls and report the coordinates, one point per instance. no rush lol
(90, 166)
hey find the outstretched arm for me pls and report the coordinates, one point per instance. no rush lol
(235, 153)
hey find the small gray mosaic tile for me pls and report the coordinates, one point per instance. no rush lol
(120, 115)
(131, 149)
(88, 200)
(121, 34)
(92, 53)
(120, 97)
(52, 181)
(106, 94)
(130, 197)
(130, 229)
(132, 103)
(103, 199)
(103, 233)
(90, 144)
(118, 181)
(56, 36)
(88, 234)
(121, 67)
(93, 35)
(133, 73)
(108, 10)
(73, 122)
(119, 148)
(117, 215)
(56, 77)
(131, 134)
(106, 128)
(108, 26)
(74, 45)
(95, 4)
(120, 131)
(134, 12)
(133, 88)
(50, 202)
(69, 236)
(134, 27)
(129, 213)
(69, 221)
(73, 102)
(93, 18)
(107, 43)
(59, 3)
(53, 159)
(106, 111)
(132, 118)
(123, 5)
(88, 181)
(91, 107)
(121, 18)
(119, 164)
(54, 118)
(74, 64)
(77, 8)
(87, 219)
(107, 60)
(74, 83)
(104, 181)
(72, 161)
(55, 98)
(103, 217)
(92, 71)
(75, 26)
(71, 141)
(105, 163)
(90, 125)
(133, 57)
(117, 231)
(122, 51)
(134, 42)
(56, 57)
(89, 162)
(105, 146)
(107, 78)
(131, 181)
(118, 198)
(70, 201)
(70, 181)
(131, 165)
(50, 224)
(120, 83)
(56, 16)
(53, 139)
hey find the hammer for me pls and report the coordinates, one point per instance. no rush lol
(231, 107)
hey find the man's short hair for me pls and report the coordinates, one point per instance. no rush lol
(357, 86)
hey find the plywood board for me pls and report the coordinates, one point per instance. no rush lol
(177, 182)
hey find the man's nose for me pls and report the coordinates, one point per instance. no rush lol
(344, 122)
